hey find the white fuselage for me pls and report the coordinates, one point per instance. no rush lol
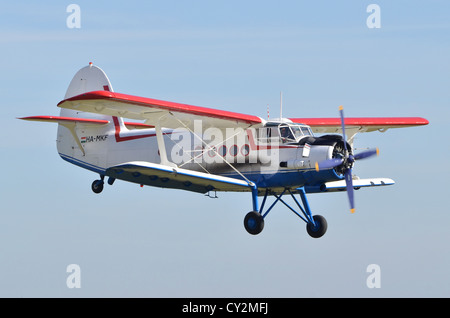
(236, 156)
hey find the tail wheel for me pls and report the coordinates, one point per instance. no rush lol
(97, 186)
(320, 227)
(254, 222)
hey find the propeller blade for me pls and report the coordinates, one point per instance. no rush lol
(328, 164)
(367, 154)
(350, 190)
(341, 112)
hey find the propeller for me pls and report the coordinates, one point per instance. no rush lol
(348, 160)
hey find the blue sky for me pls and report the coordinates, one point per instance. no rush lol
(236, 56)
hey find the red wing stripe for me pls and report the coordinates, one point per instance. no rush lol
(160, 104)
(66, 119)
(363, 121)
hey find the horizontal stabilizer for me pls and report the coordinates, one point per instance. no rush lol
(69, 123)
(65, 120)
(158, 175)
(357, 183)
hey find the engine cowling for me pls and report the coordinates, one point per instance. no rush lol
(320, 149)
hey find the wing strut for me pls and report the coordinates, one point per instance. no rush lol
(250, 183)
(162, 146)
(71, 126)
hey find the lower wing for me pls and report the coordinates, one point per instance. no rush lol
(158, 175)
(335, 186)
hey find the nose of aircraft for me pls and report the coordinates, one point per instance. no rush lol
(345, 160)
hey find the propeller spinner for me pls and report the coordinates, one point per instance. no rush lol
(347, 161)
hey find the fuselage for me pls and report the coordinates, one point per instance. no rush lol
(267, 156)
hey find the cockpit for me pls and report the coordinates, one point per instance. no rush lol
(286, 132)
(293, 132)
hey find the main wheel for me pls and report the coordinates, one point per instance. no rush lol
(254, 222)
(97, 186)
(320, 228)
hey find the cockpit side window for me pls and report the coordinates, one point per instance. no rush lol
(286, 133)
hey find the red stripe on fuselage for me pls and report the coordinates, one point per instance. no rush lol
(251, 139)
(127, 138)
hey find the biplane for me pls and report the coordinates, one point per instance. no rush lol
(172, 145)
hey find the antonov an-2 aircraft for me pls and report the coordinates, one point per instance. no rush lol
(206, 150)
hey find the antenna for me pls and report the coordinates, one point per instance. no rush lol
(268, 115)
(281, 105)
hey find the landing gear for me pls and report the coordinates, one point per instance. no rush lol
(254, 222)
(97, 186)
(316, 225)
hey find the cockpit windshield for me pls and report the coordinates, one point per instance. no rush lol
(293, 132)
(306, 131)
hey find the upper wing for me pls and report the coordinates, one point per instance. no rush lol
(158, 175)
(153, 111)
(359, 124)
(174, 115)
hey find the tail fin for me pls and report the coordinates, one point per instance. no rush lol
(74, 126)
(88, 79)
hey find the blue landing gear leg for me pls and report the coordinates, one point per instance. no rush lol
(254, 221)
(316, 225)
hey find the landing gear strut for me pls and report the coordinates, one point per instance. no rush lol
(316, 225)
(97, 185)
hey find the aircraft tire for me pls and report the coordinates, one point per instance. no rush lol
(320, 228)
(97, 186)
(254, 222)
